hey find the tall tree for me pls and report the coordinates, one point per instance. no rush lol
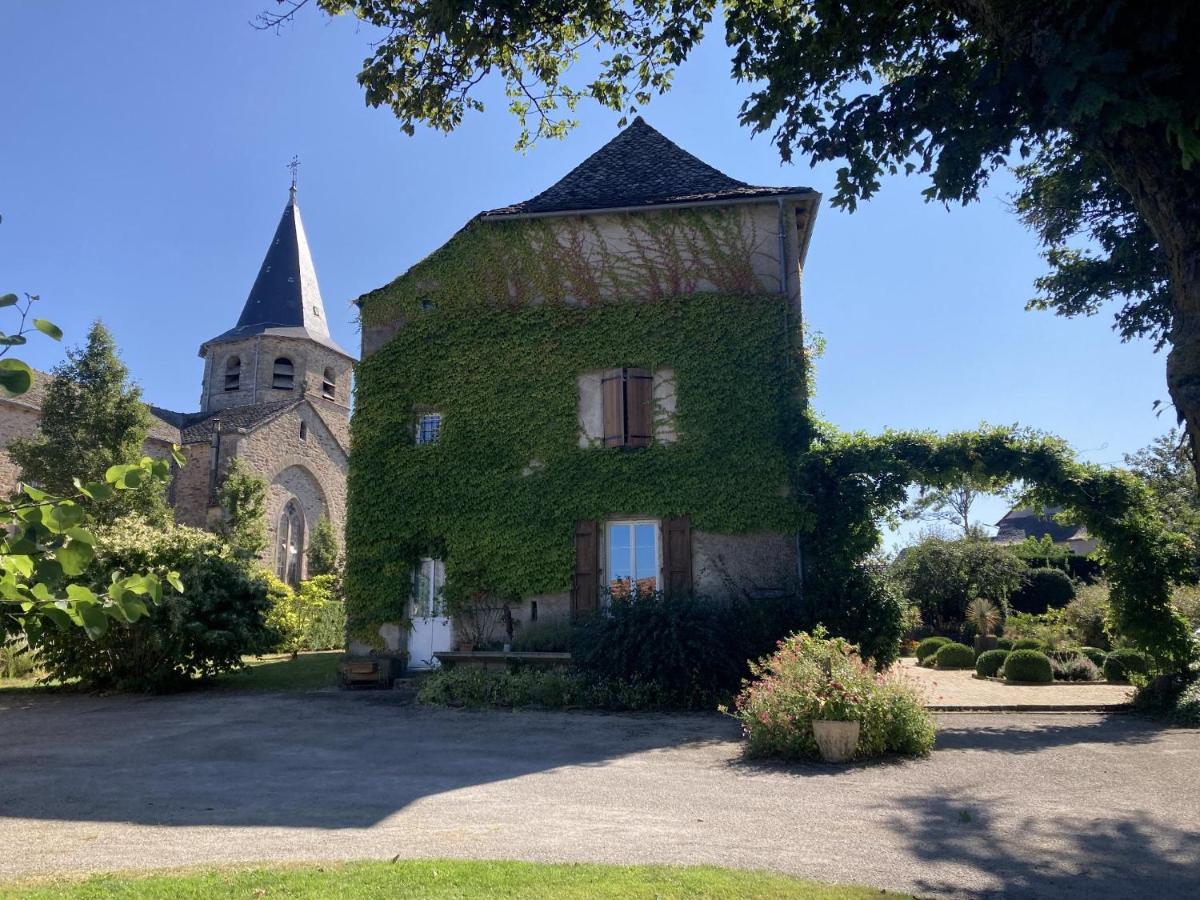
(323, 549)
(242, 497)
(92, 418)
(952, 503)
(1165, 468)
(1099, 100)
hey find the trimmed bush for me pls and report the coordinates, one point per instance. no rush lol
(954, 656)
(1120, 664)
(311, 617)
(812, 677)
(1026, 644)
(1095, 654)
(990, 662)
(474, 688)
(1042, 589)
(930, 646)
(1028, 665)
(1004, 644)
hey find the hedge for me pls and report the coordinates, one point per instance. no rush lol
(1028, 665)
(990, 662)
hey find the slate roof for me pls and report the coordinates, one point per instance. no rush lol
(286, 298)
(1018, 524)
(639, 167)
(198, 426)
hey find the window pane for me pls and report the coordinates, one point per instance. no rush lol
(645, 558)
(620, 560)
(428, 428)
(421, 592)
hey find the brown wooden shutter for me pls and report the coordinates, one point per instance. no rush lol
(585, 587)
(612, 397)
(677, 556)
(639, 407)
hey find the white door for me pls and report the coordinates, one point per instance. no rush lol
(431, 630)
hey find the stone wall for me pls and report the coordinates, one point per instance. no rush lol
(258, 355)
(312, 469)
(17, 420)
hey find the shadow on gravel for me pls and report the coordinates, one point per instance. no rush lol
(320, 760)
(1010, 736)
(1132, 856)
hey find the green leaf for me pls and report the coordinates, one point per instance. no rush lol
(15, 376)
(17, 564)
(95, 622)
(175, 581)
(97, 490)
(48, 328)
(61, 516)
(177, 455)
(81, 534)
(81, 594)
(74, 557)
(133, 608)
(8, 300)
(34, 493)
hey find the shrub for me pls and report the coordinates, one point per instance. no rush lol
(1187, 705)
(682, 645)
(1185, 598)
(954, 656)
(1085, 615)
(1042, 589)
(546, 688)
(812, 677)
(1028, 665)
(860, 606)
(16, 659)
(1074, 667)
(990, 662)
(1004, 644)
(1120, 664)
(553, 636)
(1027, 644)
(930, 646)
(1095, 654)
(202, 632)
(312, 617)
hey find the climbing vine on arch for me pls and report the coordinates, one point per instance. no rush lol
(852, 480)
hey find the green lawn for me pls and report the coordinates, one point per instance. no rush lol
(442, 879)
(274, 672)
(279, 672)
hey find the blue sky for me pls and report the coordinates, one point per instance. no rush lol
(142, 173)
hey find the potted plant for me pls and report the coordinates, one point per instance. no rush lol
(835, 723)
(985, 616)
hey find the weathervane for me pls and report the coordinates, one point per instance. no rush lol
(294, 165)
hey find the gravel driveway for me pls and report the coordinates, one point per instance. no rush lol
(1032, 805)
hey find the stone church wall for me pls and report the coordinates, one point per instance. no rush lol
(309, 361)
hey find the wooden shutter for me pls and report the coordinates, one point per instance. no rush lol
(612, 397)
(585, 587)
(677, 556)
(639, 407)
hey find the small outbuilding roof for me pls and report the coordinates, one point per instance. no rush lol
(639, 167)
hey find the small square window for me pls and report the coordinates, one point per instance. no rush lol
(429, 428)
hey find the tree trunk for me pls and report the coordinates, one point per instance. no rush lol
(1150, 167)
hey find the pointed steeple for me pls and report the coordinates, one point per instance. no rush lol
(285, 299)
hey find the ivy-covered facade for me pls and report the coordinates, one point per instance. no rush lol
(598, 391)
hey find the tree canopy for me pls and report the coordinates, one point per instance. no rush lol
(1095, 103)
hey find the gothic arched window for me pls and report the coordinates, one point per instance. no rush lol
(233, 373)
(329, 384)
(289, 543)
(283, 375)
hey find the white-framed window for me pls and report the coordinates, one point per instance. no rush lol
(633, 558)
(428, 596)
(429, 427)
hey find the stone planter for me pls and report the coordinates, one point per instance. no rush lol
(836, 740)
(984, 643)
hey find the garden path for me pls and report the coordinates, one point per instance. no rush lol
(959, 689)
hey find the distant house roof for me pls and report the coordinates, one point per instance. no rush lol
(639, 167)
(160, 429)
(285, 300)
(1024, 522)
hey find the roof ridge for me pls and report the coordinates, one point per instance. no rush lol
(638, 167)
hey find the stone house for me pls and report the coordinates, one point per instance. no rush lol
(275, 394)
(593, 393)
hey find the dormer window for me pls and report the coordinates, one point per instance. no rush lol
(283, 376)
(233, 373)
(329, 385)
